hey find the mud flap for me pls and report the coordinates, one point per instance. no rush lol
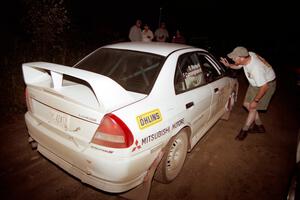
(142, 191)
(228, 107)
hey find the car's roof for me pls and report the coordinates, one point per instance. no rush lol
(160, 48)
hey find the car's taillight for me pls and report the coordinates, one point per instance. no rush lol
(113, 132)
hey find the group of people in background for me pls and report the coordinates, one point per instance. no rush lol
(161, 34)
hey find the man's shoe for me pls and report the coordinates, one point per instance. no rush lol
(257, 129)
(242, 135)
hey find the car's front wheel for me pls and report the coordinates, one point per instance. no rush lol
(173, 159)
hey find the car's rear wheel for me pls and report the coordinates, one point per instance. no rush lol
(173, 159)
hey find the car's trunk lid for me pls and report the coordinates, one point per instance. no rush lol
(71, 101)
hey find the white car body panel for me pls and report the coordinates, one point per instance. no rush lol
(151, 47)
(63, 116)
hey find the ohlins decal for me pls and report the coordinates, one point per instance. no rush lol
(148, 119)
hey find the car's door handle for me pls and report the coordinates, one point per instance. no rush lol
(188, 105)
(216, 90)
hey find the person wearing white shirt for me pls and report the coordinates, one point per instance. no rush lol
(135, 32)
(161, 34)
(147, 34)
(262, 85)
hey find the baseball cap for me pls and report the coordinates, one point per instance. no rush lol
(238, 52)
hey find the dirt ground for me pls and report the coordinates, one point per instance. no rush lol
(219, 167)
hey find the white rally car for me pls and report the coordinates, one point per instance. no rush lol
(111, 116)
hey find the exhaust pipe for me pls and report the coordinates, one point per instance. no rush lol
(33, 143)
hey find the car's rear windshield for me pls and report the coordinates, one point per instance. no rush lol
(134, 71)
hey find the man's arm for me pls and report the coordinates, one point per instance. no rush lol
(261, 92)
(227, 64)
(130, 35)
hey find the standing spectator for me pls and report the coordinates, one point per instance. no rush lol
(262, 85)
(162, 34)
(147, 34)
(178, 38)
(135, 33)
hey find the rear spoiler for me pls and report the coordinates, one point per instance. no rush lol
(109, 93)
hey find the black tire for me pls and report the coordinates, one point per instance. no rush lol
(173, 159)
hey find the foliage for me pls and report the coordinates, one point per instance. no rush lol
(46, 21)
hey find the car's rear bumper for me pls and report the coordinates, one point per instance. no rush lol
(98, 168)
(90, 179)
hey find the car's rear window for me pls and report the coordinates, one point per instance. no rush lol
(134, 71)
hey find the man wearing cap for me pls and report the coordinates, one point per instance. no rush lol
(262, 85)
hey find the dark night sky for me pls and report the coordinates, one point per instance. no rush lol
(275, 17)
(252, 22)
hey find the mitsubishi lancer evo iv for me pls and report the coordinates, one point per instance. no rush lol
(108, 118)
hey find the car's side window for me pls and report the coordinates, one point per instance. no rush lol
(188, 73)
(210, 72)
